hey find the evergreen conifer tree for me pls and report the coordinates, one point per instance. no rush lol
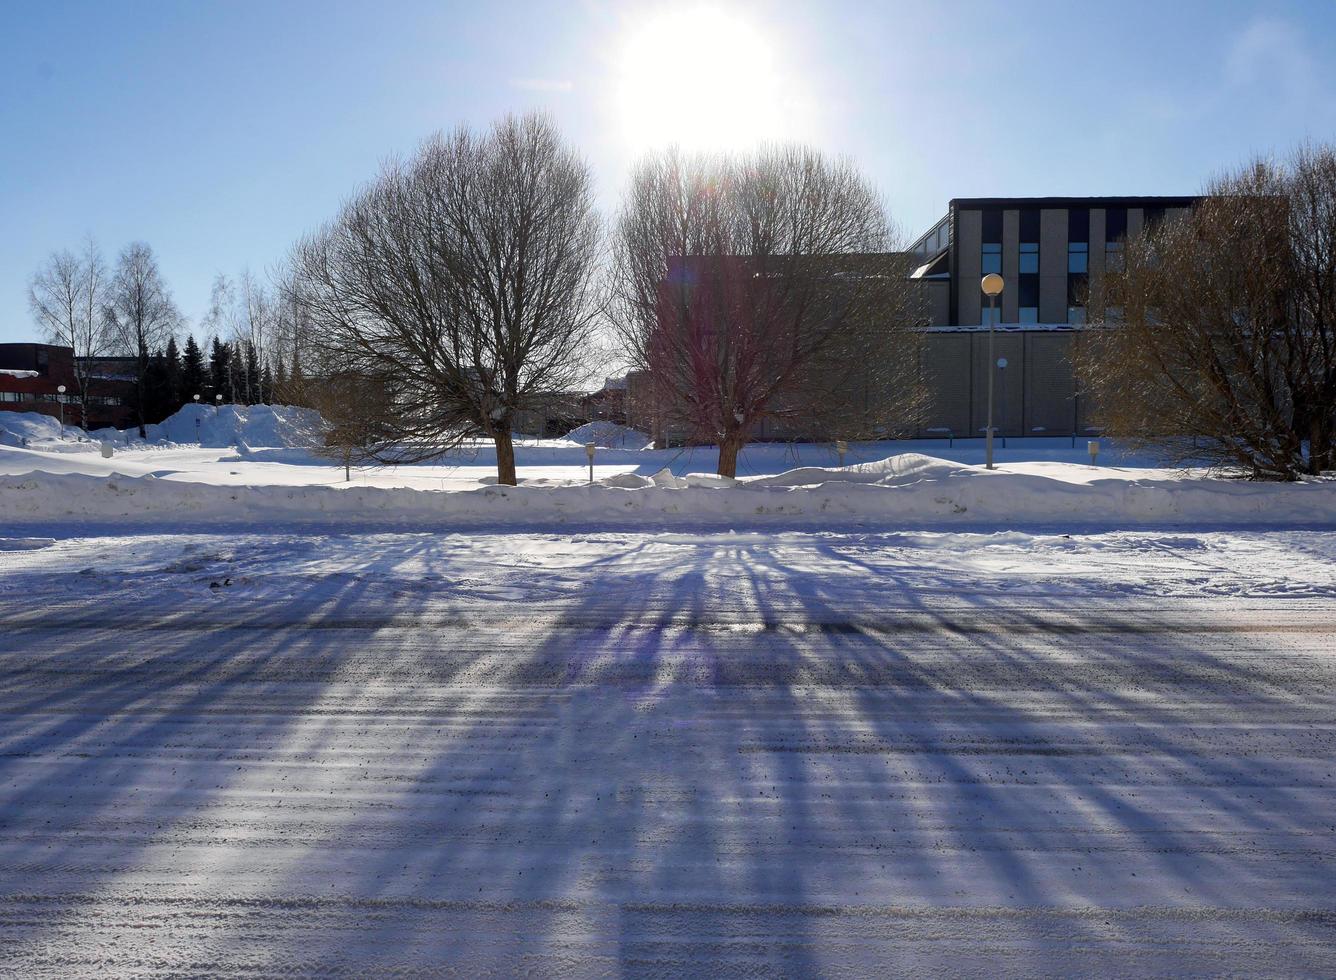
(252, 384)
(158, 399)
(220, 370)
(171, 369)
(192, 372)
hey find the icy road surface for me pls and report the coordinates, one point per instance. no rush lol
(666, 754)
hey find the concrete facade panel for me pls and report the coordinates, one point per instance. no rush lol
(1096, 243)
(1053, 265)
(938, 302)
(1011, 247)
(969, 235)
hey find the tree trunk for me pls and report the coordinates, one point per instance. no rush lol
(1319, 448)
(139, 406)
(728, 455)
(505, 458)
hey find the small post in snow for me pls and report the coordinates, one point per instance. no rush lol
(841, 447)
(197, 437)
(1093, 448)
(589, 451)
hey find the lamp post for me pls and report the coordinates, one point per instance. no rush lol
(60, 400)
(992, 287)
(196, 397)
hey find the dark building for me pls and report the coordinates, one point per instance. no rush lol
(31, 375)
(1048, 251)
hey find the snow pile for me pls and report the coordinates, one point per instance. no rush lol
(240, 425)
(917, 490)
(901, 470)
(36, 429)
(608, 435)
(16, 427)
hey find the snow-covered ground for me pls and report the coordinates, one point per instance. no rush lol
(668, 753)
(903, 716)
(232, 480)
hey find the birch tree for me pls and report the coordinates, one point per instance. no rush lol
(66, 297)
(140, 316)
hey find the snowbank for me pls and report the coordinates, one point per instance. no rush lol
(898, 491)
(235, 425)
(609, 435)
(34, 428)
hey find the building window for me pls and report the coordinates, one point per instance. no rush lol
(1113, 257)
(990, 220)
(1115, 225)
(991, 259)
(1078, 289)
(1029, 264)
(1078, 225)
(1027, 293)
(1078, 258)
(1028, 220)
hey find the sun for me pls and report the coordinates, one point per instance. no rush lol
(701, 78)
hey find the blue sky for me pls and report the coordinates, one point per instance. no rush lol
(220, 132)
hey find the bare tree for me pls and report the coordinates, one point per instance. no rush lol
(246, 313)
(140, 316)
(351, 409)
(66, 298)
(1218, 336)
(462, 283)
(757, 288)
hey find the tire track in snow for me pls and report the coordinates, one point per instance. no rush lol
(538, 794)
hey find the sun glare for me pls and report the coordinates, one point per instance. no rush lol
(701, 78)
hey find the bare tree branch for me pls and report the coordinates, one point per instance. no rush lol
(461, 284)
(758, 288)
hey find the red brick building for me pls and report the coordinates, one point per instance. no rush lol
(30, 378)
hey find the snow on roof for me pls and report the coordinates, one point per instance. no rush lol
(18, 373)
(1003, 327)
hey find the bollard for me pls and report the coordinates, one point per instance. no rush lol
(589, 451)
(1092, 447)
(841, 447)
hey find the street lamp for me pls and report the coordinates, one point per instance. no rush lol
(992, 287)
(196, 397)
(60, 400)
